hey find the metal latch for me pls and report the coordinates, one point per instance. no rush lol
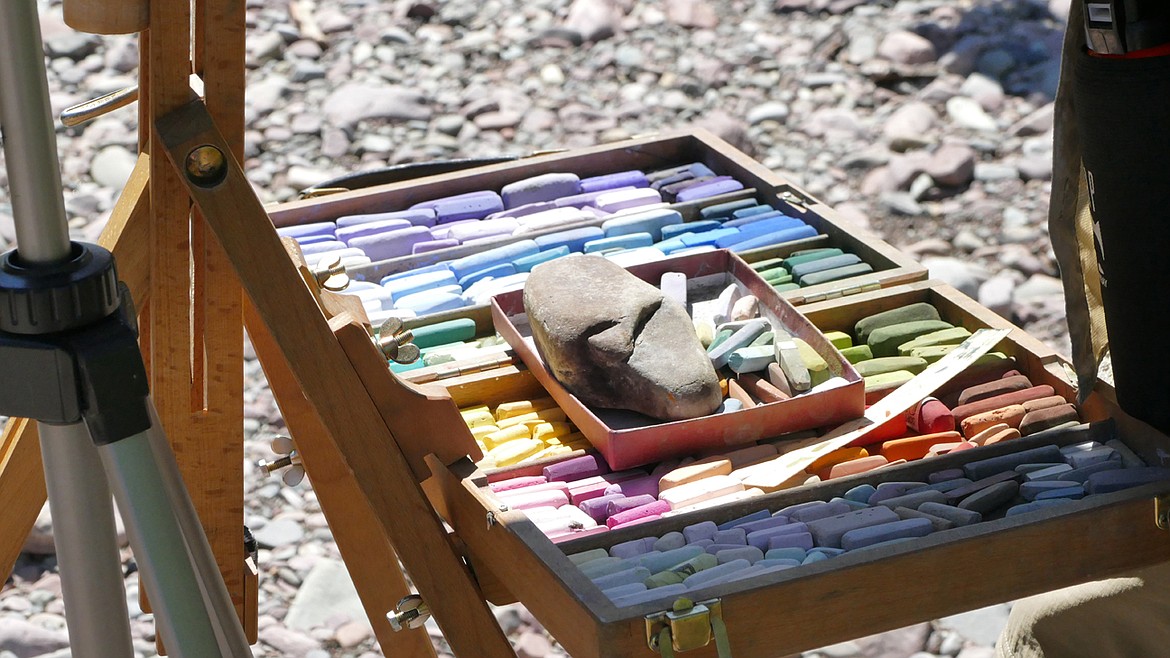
(1162, 512)
(836, 293)
(688, 626)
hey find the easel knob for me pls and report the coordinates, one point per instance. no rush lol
(290, 459)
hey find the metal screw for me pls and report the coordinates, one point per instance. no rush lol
(206, 166)
(411, 612)
(395, 342)
(325, 275)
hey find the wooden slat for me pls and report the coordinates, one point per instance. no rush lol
(367, 551)
(22, 487)
(334, 390)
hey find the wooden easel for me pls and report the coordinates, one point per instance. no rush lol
(203, 260)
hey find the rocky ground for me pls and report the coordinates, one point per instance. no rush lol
(927, 121)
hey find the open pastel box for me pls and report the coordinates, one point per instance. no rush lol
(627, 439)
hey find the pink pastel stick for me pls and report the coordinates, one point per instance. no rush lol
(516, 483)
(655, 509)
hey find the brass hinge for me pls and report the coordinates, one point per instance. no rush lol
(796, 198)
(688, 626)
(1162, 512)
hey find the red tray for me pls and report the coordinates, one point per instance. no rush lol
(627, 439)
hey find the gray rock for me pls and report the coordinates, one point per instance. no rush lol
(280, 532)
(305, 70)
(952, 165)
(984, 90)
(863, 46)
(728, 128)
(264, 45)
(353, 102)
(1035, 167)
(1038, 288)
(71, 45)
(977, 652)
(841, 650)
(903, 169)
(899, 642)
(967, 113)
(594, 20)
(908, 126)
(498, 120)
(772, 111)
(327, 592)
(995, 171)
(902, 47)
(1036, 123)
(967, 240)
(901, 203)
(616, 342)
(112, 166)
(920, 186)
(996, 294)
(981, 626)
(692, 13)
(995, 63)
(964, 276)
(26, 640)
(288, 642)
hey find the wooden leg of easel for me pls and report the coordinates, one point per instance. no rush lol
(290, 313)
(22, 482)
(368, 554)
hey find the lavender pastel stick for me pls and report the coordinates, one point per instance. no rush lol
(524, 210)
(583, 200)
(347, 233)
(473, 206)
(631, 178)
(391, 244)
(432, 245)
(546, 187)
(303, 240)
(646, 485)
(322, 247)
(316, 228)
(443, 231)
(485, 229)
(416, 216)
(597, 508)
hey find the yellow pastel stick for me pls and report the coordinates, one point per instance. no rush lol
(509, 409)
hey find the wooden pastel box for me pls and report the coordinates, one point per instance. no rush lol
(848, 596)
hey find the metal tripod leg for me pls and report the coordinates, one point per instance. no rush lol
(87, 550)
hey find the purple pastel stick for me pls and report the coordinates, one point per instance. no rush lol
(416, 216)
(432, 245)
(596, 508)
(590, 491)
(316, 228)
(791, 540)
(546, 187)
(443, 231)
(733, 536)
(713, 187)
(638, 521)
(524, 210)
(944, 476)
(576, 468)
(632, 178)
(760, 538)
(763, 524)
(701, 530)
(391, 244)
(321, 247)
(584, 200)
(715, 547)
(632, 548)
(626, 504)
(819, 512)
(348, 233)
(902, 529)
(433, 203)
(471, 206)
(887, 490)
(647, 484)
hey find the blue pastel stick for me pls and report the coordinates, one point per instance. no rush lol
(316, 228)
(347, 233)
(779, 237)
(632, 178)
(424, 303)
(751, 231)
(726, 209)
(423, 281)
(904, 529)
(752, 210)
(701, 226)
(526, 263)
(1072, 493)
(574, 239)
(485, 259)
(1116, 480)
(470, 207)
(630, 241)
(416, 216)
(415, 272)
(583, 200)
(495, 272)
(734, 523)
(707, 237)
(752, 219)
(650, 221)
